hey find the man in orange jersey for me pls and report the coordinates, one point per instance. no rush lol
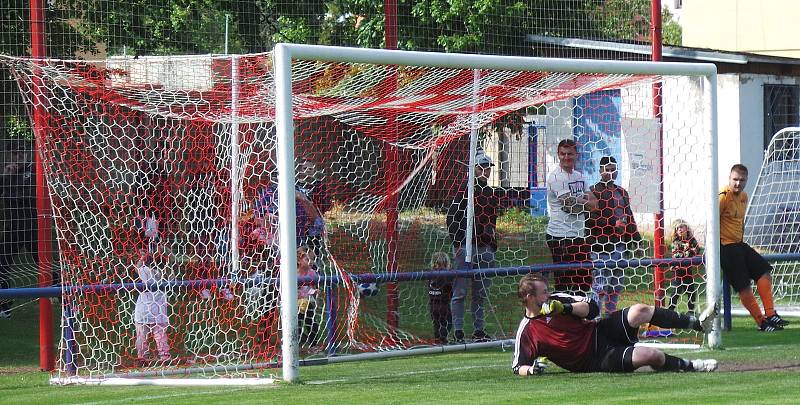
(740, 262)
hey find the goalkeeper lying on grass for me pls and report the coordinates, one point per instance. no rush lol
(561, 328)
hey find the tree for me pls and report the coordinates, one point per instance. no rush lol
(63, 40)
(145, 27)
(197, 26)
(630, 20)
(672, 32)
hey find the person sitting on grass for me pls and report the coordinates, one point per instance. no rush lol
(562, 328)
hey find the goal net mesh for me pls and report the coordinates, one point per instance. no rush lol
(772, 222)
(166, 228)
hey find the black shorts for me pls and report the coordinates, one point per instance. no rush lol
(613, 344)
(740, 263)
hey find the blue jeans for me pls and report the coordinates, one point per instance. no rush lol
(482, 257)
(608, 282)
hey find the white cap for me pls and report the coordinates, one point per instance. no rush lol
(482, 159)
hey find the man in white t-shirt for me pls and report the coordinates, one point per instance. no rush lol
(567, 204)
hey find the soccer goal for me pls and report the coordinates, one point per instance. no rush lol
(232, 216)
(772, 221)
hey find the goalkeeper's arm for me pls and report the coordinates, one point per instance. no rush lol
(580, 307)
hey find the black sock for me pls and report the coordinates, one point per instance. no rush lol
(672, 363)
(670, 319)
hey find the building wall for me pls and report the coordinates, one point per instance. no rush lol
(766, 27)
(751, 120)
(729, 122)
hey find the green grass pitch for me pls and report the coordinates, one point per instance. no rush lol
(755, 367)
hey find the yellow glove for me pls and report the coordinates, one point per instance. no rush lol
(553, 307)
(302, 305)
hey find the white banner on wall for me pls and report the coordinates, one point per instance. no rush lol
(640, 162)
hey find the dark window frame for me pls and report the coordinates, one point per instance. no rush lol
(781, 108)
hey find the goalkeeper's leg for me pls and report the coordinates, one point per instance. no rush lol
(639, 314)
(658, 360)
(626, 359)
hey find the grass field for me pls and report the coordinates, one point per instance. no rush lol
(755, 367)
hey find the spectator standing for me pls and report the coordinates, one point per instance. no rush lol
(611, 228)
(310, 223)
(151, 232)
(567, 205)
(484, 243)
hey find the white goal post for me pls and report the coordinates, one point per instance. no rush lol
(285, 53)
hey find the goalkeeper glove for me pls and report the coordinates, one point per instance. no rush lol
(555, 307)
(538, 367)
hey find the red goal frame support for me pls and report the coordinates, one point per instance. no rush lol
(659, 249)
(46, 348)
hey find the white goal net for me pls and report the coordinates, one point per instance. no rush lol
(772, 222)
(164, 179)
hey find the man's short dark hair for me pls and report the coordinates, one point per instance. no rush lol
(527, 285)
(568, 143)
(739, 168)
(605, 160)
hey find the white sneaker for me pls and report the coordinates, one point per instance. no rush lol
(707, 365)
(226, 293)
(707, 317)
(5, 314)
(205, 294)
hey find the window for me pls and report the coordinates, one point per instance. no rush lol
(781, 109)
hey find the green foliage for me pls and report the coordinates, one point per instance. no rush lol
(630, 20)
(672, 33)
(142, 27)
(18, 128)
(519, 220)
(148, 26)
(623, 19)
(63, 38)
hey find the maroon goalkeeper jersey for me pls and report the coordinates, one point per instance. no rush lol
(566, 340)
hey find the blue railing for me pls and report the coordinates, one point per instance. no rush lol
(56, 291)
